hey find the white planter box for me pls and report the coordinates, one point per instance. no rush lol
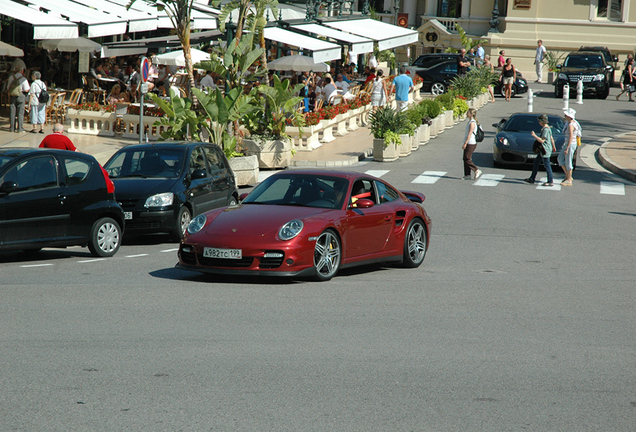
(382, 153)
(245, 170)
(327, 130)
(341, 124)
(448, 119)
(405, 148)
(270, 153)
(425, 134)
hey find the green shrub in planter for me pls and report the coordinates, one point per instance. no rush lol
(386, 123)
(459, 107)
(446, 100)
(432, 108)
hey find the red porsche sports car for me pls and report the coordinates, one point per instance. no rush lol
(309, 223)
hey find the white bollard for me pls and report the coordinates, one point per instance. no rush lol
(566, 96)
(530, 100)
(579, 91)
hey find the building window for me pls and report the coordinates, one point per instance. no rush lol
(449, 8)
(610, 9)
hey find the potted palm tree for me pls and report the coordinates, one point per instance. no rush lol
(386, 126)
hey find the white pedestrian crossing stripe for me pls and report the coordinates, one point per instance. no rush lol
(612, 188)
(489, 180)
(377, 173)
(429, 177)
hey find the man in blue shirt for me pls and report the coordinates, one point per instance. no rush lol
(403, 85)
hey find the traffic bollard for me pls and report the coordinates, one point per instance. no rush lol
(530, 100)
(579, 91)
(566, 96)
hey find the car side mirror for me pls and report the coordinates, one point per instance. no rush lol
(8, 187)
(364, 203)
(198, 174)
(559, 66)
(496, 125)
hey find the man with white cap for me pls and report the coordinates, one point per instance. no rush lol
(569, 146)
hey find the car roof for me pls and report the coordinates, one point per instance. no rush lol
(165, 145)
(593, 48)
(20, 151)
(349, 175)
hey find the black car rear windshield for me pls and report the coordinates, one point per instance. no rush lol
(584, 61)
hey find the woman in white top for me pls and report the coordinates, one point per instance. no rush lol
(38, 110)
(378, 91)
(470, 144)
(566, 154)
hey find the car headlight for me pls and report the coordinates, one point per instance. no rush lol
(562, 76)
(160, 200)
(504, 141)
(599, 77)
(197, 224)
(290, 230)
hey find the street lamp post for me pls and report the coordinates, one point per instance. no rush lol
(494, 21)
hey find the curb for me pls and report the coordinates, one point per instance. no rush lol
(607, 163)
(334, 163)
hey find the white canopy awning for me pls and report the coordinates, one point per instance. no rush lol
(99, 23)
(137, 21)
(359, 45)
(322, 51)
(44, 25)
(387, 35)
(199, 20)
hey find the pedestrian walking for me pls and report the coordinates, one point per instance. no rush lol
(18, 87)
(566, 155)
(57, 140)
(508, 77)
(403, 85)
(627, 80)
(538, 60)
(547, 144)
(487, 64)
(501, 61)
(37, 108)
(470, 144)
(378, 91)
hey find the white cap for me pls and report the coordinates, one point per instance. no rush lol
(570, 113)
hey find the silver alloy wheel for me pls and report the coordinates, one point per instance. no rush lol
(438, 88)
(416, 243)
(327, 255)
(186, 218)
(108, 237)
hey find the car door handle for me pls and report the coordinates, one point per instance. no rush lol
(388, 218)
(62, 198)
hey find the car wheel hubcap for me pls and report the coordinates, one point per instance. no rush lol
(437, 89)
(416, 243)
(108, 237)
(185, 221)
(327, 254)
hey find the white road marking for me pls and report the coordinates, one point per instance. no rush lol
(489, 180)
(429, 177)
(377, 173)
(557, 184)
(135, 256)
(91, 260)
(612, 188)
(36, 265)
(170, 250)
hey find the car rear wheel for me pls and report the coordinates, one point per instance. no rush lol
(232, 201)
(183, 220)
(105, 238)
(513, 91)
(415, 244)
(438, 88)
(558, 92)
(327, 255)
(603, 94)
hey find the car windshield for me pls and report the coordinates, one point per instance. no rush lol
(146, 163)
(527, 123)
(4, 159)
(300, 190)
(583, 61)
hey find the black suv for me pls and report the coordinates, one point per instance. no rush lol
(609, 58)
(587, 66)
(57, 198)
(162, 186)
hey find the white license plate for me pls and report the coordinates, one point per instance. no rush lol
(532, 156)
(222, 253)
(128, 215)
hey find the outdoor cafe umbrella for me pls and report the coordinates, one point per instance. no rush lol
(70, 45)
(297, 63)
(10, 50)
(176, 58)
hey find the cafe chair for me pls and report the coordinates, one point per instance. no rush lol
(319, 103)
(56, 109)
(75, 99)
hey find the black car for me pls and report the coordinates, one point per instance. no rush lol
(610, 59)
(162, 186)
(426, 61)
(57, 198)
(436, 79)
(589, 67)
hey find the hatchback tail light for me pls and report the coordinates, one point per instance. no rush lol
(110, 186)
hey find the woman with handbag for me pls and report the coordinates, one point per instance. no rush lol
(545, 151)
(37, 108)
(628, 80)
(566, 155)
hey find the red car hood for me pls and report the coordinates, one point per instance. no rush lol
(257, 219)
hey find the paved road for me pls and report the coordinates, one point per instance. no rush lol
(521, 318)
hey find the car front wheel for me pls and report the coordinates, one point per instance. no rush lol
(105, 238)
(327, 255)
(415, 244)
(182, 222)
(438, 88)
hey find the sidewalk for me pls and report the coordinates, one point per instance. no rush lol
(617, 155)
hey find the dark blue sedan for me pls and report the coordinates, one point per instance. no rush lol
(513, 140)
